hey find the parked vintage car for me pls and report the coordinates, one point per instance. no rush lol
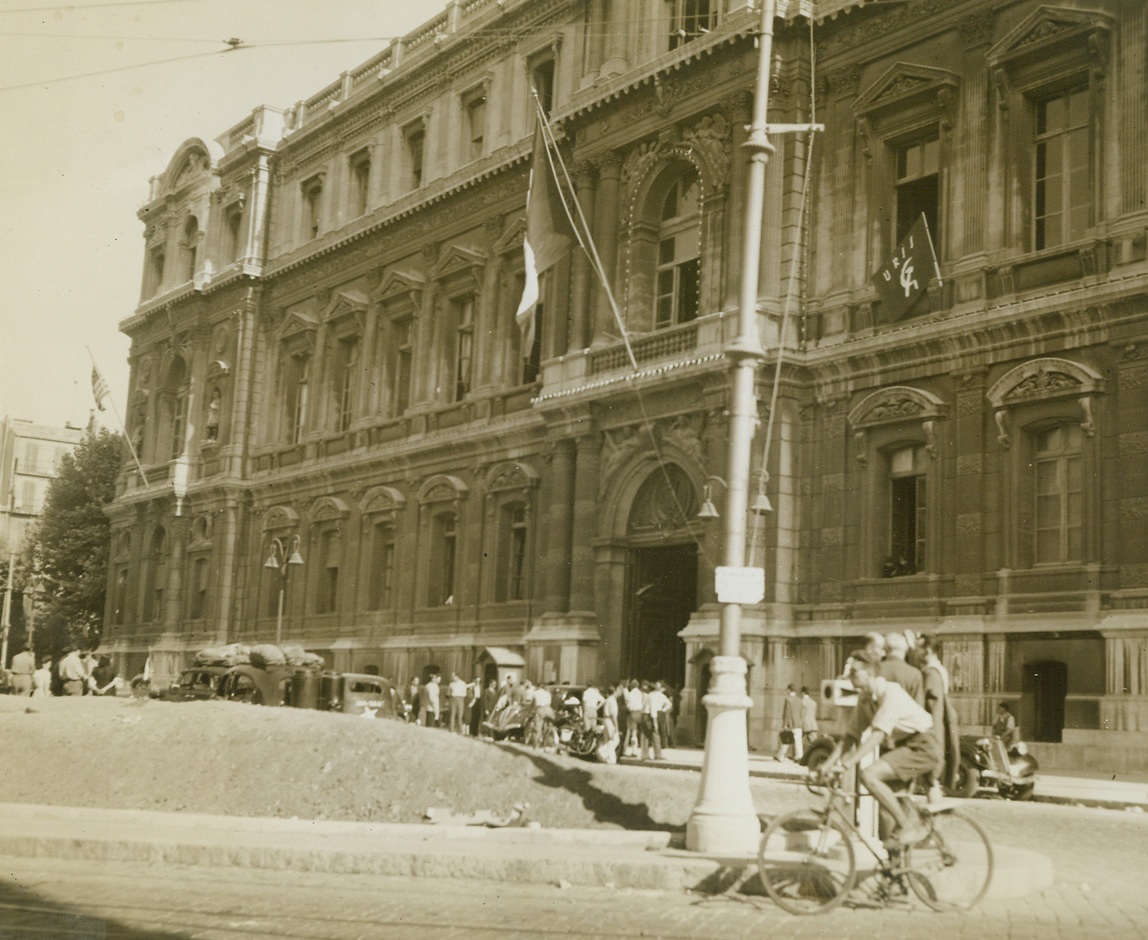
(194, 684)
(358, 693)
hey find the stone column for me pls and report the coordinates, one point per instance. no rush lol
(556, 593)
(582, 274)
(585, 524)
(606, 216)
(173, 590)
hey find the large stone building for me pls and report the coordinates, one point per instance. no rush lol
(325, 354)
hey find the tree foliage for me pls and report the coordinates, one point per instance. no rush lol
(69, 546)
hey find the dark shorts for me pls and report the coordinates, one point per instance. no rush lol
(915, 755)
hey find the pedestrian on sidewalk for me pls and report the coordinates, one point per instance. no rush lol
(653, 700)
(429, 702)
(809, 726)
(73, 673)
(663, 715)
(790, 736)
(634, 700)
(896, 669)
(456, 695)
(592, 702)
(42, 679)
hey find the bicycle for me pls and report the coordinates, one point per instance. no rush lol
(808, 865)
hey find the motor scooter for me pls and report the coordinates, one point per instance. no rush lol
(987, 764)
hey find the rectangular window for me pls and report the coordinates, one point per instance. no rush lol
(1059, 494)
(156, 261)
(232, 223)
(691, 18)
(511, 570)
(414, 139)
(443, 549)
(312, 191)
(542, 83)
(381, 578)
(404, 360)
(1061, 202)
(360, 164)
(677, 283)
(907, 504)
(463, 309)
(199, 589)
(343, 381)
(475, 130)
(178, 418)
(918, 189)
(327, 590)
(296, 387)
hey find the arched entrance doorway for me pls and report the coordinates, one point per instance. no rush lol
(663, 594)
(662, 576)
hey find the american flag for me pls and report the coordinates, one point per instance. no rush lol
(100, 388)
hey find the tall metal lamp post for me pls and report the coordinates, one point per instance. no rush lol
(724, 819)
(279, 560)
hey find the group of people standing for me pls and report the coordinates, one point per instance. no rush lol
(798, 723)
(73, 673)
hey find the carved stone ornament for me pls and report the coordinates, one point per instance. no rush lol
(901, 404)
(511, 476)
(666, 501)
(383, 499)
(1045, 380)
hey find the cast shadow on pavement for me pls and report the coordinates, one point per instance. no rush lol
(606, 807)
(24, 915)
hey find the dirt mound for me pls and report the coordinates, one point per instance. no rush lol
(220, 757)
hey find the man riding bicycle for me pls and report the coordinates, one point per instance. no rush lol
(897, 722)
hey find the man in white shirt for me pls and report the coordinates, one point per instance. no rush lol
(592, 700)
(456, 692)
(891, 716)
(655, 703)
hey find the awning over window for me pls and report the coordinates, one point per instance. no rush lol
(501, 656)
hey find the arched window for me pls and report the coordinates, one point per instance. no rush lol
(678, 264)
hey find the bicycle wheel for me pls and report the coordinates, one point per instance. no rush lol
(806, 862)
(952, 868)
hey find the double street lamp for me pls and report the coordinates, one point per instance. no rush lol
(279, 560)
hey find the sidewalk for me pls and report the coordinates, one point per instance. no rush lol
(1060, 787)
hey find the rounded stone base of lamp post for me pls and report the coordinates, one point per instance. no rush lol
(724, 820)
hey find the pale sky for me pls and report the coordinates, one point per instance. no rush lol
(76, 155)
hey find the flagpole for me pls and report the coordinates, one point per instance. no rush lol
(116, 412)
(587, 245)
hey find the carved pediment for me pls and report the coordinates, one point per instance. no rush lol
(329, 509)
(441, 488)
(510, 476)
(458, 262)
(511, 239)
(280, 517)
(1050, 41)
(1044, 379)
(401, 287)
(383, 499)
(908, 91)
(892, 405)
(1047, 29)
(298, 332)
(347, 311)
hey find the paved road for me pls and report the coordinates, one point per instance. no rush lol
(1100, 858)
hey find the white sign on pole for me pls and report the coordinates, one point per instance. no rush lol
(739, 585)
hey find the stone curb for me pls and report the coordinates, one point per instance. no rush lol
(595, 858)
